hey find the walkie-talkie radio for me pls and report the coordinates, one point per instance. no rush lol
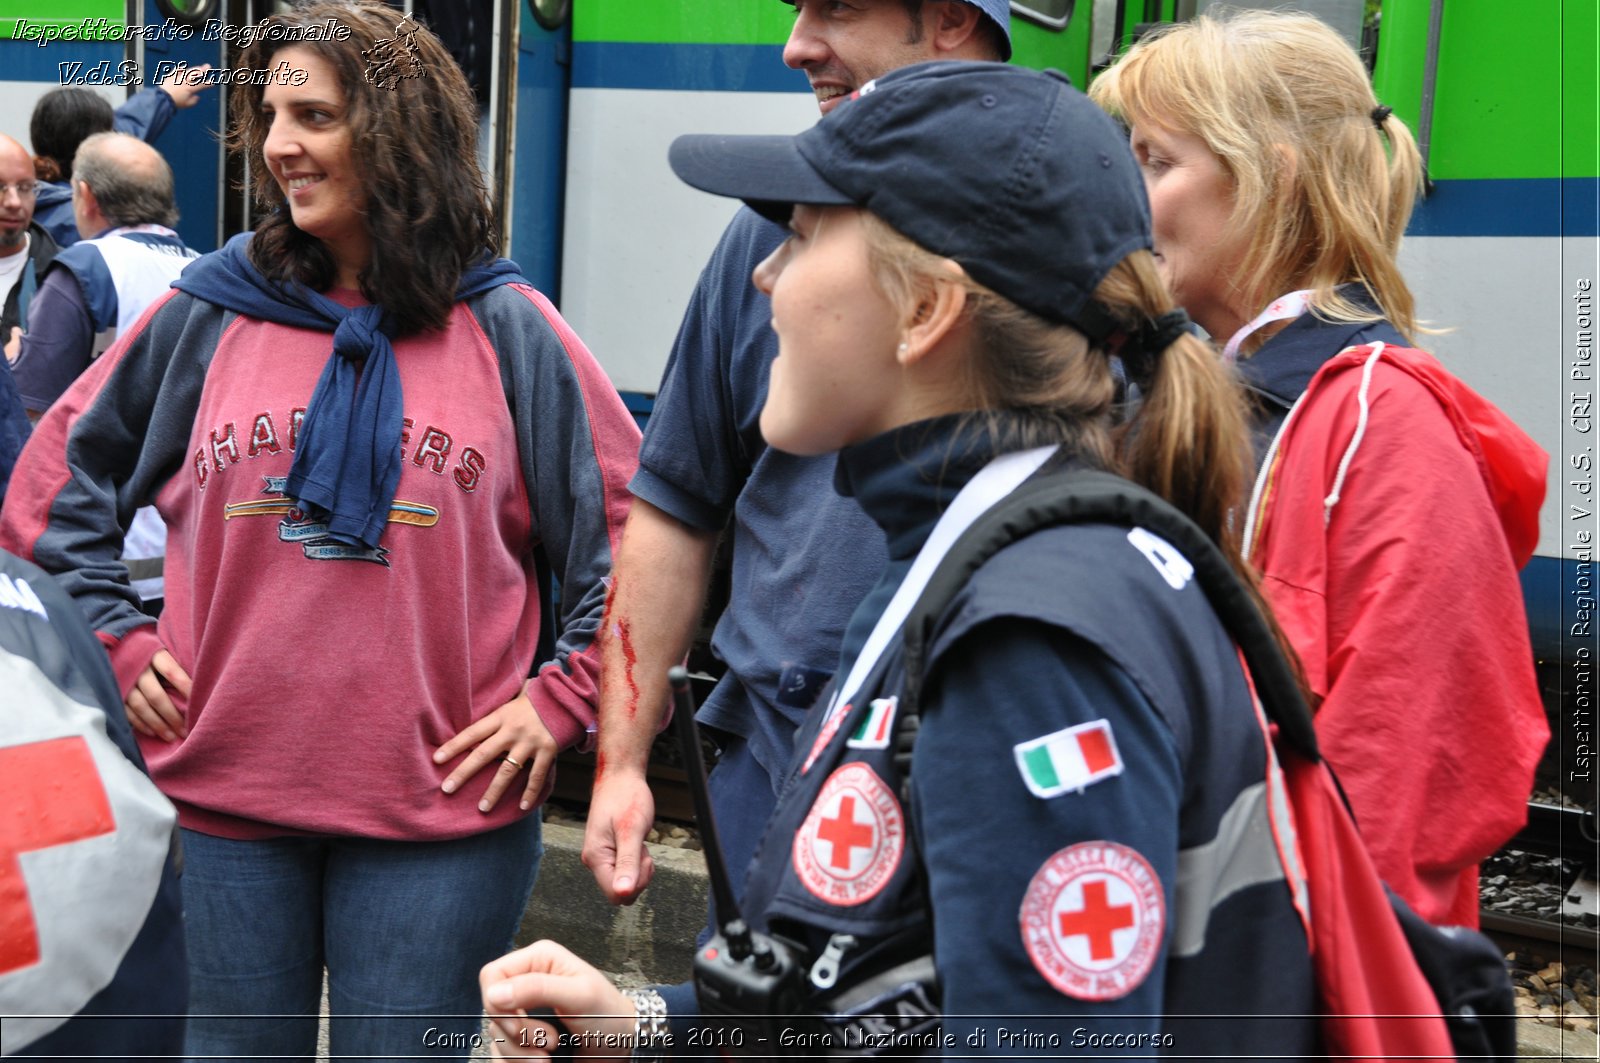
(746, 976)
(783, 1000)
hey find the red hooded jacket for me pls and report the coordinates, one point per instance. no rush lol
(1392, 514)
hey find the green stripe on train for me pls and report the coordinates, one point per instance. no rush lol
(694, 22)
(59, 13)
(1516, 93)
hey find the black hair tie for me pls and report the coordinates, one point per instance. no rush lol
(1142, 351)
(1163, 331)
(1379, 114)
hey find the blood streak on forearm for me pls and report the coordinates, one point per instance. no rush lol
(618, 630)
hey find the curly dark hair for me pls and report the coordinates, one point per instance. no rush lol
(414, 140)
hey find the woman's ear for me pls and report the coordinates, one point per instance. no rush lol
(941, 306)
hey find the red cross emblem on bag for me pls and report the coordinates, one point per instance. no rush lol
(56, 798)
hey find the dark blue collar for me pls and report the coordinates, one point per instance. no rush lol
(906, 477)
(1281, 370)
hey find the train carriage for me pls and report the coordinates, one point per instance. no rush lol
(583, 97)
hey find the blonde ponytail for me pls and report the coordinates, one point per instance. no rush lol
(1189, 442)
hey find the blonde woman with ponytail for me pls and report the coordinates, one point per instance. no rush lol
(969, 243)
(1392, 505)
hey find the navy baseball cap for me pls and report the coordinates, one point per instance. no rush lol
(1012, 173)
(998, 12)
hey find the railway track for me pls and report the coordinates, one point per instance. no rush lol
(1569, 945)
(1552, 966)
(575, 778)
(1557, 830)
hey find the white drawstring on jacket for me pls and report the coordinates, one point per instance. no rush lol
(1332, 500)
(1355, 440)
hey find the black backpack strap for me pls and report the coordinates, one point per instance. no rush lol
(1074, 495)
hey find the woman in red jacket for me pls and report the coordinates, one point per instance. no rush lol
(1393, 506)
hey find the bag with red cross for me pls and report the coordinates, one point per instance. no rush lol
(92, 961)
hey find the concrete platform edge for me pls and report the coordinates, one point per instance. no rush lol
(651, 941)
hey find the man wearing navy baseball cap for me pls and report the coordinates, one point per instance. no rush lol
(802, 556)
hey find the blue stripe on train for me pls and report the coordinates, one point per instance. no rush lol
(685, 67)
(26, 61)
(639, 403)
(1529, 206)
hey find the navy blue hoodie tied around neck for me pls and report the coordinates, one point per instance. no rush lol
(347, 461)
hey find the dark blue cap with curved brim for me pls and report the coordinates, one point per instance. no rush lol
(1012, 173)
(718, 164)
(999, 12)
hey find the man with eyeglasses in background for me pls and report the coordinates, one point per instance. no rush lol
(26, 251)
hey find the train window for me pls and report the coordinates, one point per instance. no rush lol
(550, 14)
(1103, 32)
(1052, 13)
(1346, 16)
(188, 12)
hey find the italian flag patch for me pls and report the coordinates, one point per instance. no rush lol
(1069, 760)
(876, 726)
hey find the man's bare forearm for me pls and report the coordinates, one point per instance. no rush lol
(657, 592)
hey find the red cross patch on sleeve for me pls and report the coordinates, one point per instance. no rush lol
(1092, 920)
(847, 849)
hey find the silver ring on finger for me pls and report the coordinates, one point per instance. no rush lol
(516, 765)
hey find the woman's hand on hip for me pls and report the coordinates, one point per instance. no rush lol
(149, 705)
(514, 742)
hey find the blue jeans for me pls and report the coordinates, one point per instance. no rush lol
(401, 927)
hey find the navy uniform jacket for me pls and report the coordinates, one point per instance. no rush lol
(1278, 374)
(1087, 833)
